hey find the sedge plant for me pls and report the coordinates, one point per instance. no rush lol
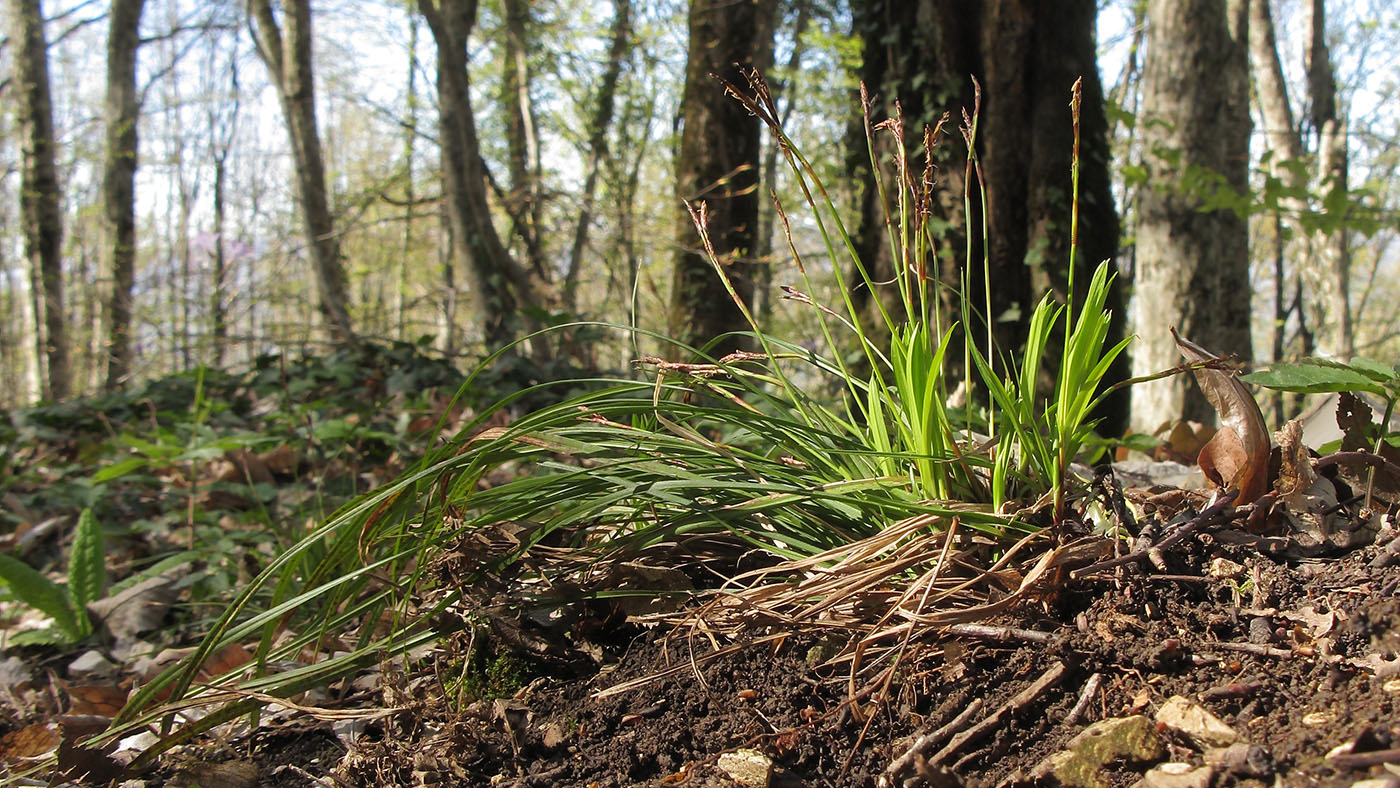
(705, 458)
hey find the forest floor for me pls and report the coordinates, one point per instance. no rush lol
(1232, 668)
(1224, 659)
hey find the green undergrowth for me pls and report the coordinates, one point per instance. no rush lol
(701, 464)
(205, 474)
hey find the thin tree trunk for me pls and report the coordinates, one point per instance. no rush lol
(289, 64)
(222, 128)
(522, 200)
(1192, 266)
(500, 285)
(39, 193)
(620, 39)
(781, 89)
(121, 113)
(410, 138)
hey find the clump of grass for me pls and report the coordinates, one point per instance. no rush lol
(862, 508)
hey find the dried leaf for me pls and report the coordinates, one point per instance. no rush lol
(1238, 455)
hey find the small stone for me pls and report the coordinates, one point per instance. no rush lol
(1315, 718)
(553, 735)
(92, 664)
(749, 768)
(1178, 775)
(1224, 569)
(1194, 721)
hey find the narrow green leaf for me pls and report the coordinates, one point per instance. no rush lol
(118, 469)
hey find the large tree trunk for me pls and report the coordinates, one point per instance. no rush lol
(1192, 265)
(1027, 57)
(500, 285)
(39, 193)
(289, 65)
(718, 164)
(121, 114)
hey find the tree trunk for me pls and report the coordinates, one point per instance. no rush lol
(1192, 265)
(121, 113)
(500, 285)
(767, 212)
(39, 193)
(410, 139)
(1027, 57)
(1329, 271)
(603, 106)
(717, 164)
(289, 65)
(522, 140)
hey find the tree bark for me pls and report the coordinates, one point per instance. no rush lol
(767, 212)
(620, 40)
(121, 115)
(1329, 271)
(522, 139)
(500, 284)
(289, 65)
(1027, 57)
(718, 163)
(39, 193)
(1192, 264)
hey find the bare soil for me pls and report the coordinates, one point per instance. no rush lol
(1298, 657)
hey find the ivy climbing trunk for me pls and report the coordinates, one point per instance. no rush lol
(1026, 57)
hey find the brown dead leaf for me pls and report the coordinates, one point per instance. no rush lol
(80, 762)
(1357, 422)
(1238, 455)
(30, 741)
(102, 700)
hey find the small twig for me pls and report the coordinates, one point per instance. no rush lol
(1086, 696)
(1362, 760)
(1024, 698)
(1236, 689)
(1366, 458)
(1208, 514)
(1388, 554)
(928, 741)
(1256, 648)
(987, 632)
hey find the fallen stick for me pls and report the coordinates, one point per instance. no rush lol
(987, 724)
(928, 741)
(1086, 696)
